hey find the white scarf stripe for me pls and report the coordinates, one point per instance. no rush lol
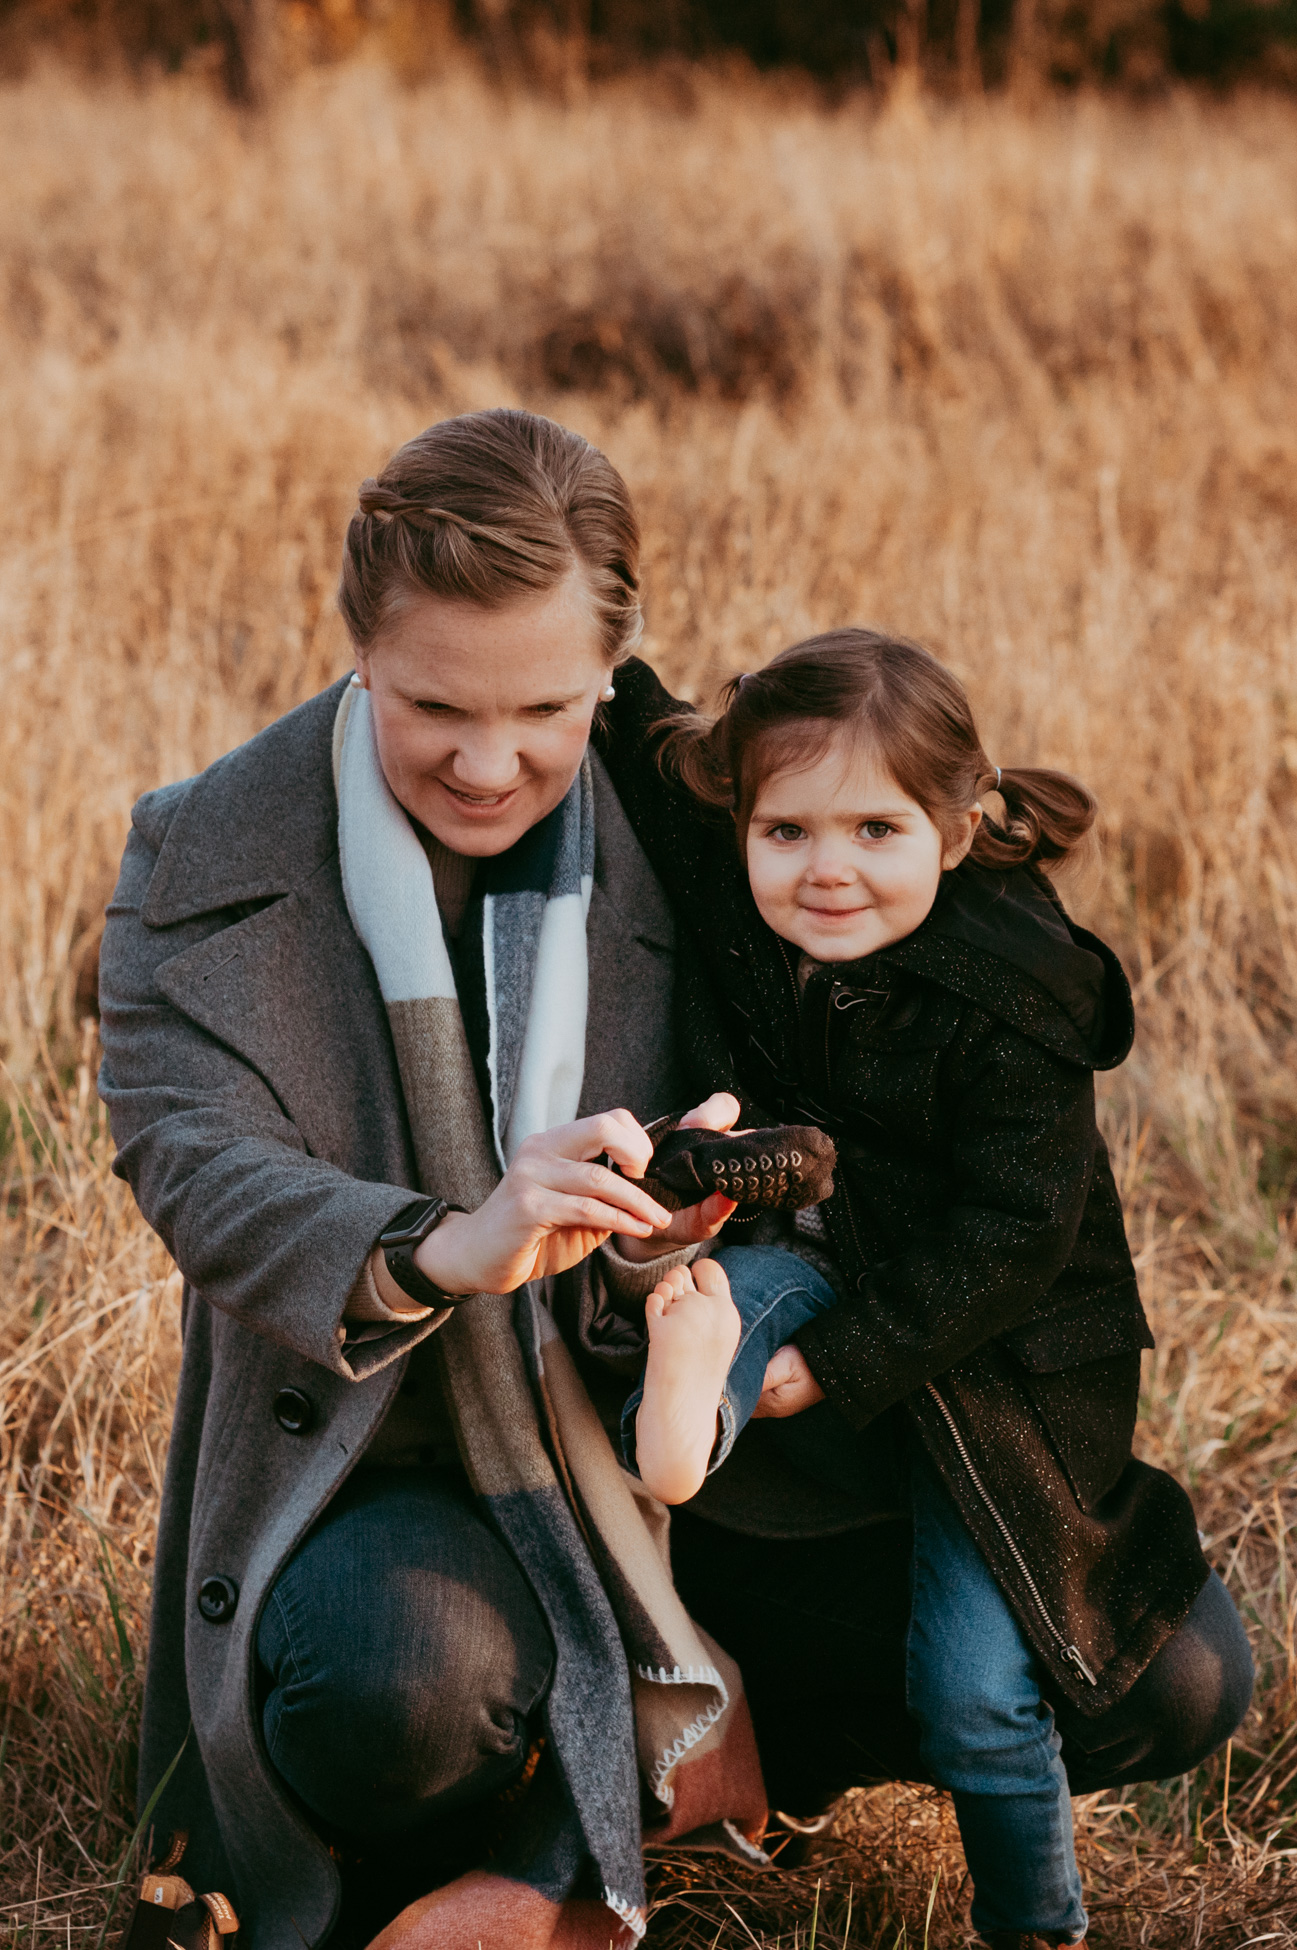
(393, 907)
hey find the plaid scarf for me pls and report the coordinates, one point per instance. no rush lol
(640, 1696)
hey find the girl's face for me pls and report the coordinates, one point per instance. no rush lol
(482, 715)
(841, 861)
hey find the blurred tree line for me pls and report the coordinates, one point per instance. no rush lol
(954, 45)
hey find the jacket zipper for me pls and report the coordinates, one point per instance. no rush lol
(1071, 1653)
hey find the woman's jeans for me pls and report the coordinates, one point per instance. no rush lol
(971, 1680)
(401, 1656)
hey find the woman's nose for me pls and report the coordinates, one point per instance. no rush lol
(485, 764)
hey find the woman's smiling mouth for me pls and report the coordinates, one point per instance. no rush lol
(477, 802)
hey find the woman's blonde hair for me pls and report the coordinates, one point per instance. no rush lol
(489, 508)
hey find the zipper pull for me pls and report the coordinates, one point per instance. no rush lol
(1072, 1653)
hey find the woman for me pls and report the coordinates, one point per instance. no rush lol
(405, 941)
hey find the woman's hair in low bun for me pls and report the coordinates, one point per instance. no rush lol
(907, 709)
(491, 508)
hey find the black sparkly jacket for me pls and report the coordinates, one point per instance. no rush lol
(988, 1281)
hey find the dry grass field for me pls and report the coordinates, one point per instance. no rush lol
(1019, 382)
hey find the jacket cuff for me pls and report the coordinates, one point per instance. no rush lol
(839, 1359)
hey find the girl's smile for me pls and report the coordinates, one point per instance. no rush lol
(840, 860)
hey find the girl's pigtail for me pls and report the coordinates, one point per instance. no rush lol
(1049, 814)
(695, 751)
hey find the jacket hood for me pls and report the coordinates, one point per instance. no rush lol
(1005, 941)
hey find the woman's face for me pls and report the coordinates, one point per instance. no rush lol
(482, 714)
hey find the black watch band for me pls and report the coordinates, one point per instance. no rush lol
(407, 1231)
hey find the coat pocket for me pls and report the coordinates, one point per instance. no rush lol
(1082, 1372)
(1090, 1413)
(1072, 1332)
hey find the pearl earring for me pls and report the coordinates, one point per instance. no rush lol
(607, 696)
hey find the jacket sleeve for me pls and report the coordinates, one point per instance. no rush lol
(262, 1230)
(1021, 1165)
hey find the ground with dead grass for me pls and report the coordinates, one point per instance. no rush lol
(1017, 383)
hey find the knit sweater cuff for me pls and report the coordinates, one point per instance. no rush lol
(634, 1280)
(365, 1303)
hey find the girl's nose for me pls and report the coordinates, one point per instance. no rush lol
(829, 867)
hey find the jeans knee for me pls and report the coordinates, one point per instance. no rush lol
(979, 1725)
(377, 1741)
(1200, 1684)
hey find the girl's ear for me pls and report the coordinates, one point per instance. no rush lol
(958, 848)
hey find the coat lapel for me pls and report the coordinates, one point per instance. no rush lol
(288, 986)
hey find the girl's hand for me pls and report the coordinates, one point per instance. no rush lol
(553, 1206)
(789, 1385)
(696, 1222)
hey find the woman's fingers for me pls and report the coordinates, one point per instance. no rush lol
(719, 1113)
(581, 1179)
(616, 1132)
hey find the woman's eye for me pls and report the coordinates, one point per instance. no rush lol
(875, 829)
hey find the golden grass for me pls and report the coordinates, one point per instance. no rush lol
(1017, 383)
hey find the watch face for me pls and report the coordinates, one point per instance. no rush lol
(422, 1218)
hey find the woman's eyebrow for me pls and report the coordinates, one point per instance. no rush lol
(422, 698)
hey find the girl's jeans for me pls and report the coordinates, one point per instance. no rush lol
(971, 1679)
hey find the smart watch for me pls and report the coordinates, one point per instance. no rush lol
(399, 1242)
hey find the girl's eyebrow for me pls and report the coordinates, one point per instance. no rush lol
(854, 818)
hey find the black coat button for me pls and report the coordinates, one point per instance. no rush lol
(294, 1411)
(218, 1600)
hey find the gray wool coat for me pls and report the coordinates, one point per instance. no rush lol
(254, 1098)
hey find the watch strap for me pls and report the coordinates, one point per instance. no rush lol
(401, 1240)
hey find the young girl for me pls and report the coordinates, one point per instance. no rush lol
(886, 960)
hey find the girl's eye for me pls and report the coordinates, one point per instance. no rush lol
(786, 832)
(875, 829)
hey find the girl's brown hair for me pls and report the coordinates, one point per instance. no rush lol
(908, 710)
(489, 508)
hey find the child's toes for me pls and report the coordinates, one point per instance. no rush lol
(709, 1278)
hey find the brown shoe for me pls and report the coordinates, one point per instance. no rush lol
(779, 1170)
(168, 1912)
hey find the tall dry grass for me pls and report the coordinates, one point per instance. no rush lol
(1018, 384)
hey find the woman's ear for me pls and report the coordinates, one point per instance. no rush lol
(958, 848)
(362, 668)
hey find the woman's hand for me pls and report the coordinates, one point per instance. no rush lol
(696, 1222)
(789, 1384)
(553, 1206)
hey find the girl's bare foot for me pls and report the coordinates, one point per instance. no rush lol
(693, 1330)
